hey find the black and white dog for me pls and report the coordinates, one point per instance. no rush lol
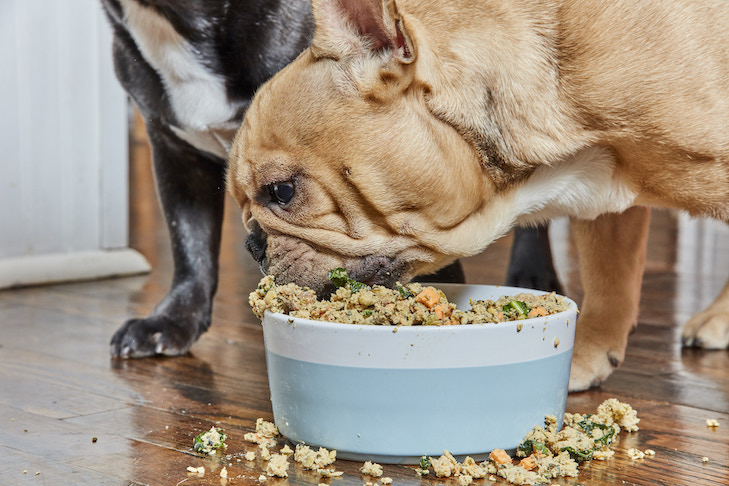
(191, 67)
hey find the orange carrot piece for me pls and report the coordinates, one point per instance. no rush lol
(500, 457)
(428, 297)
(441, 311)
(538, 312)
(528, 463)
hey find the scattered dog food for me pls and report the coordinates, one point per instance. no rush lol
(371, 469)
(314, 460)
(636, 454)
(407, 305)
(545, 453)
(712, 423)
(211, 441)
(200, 471)
(265, 434)
(278, 465)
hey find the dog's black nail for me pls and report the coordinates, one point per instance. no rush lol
(614, 362)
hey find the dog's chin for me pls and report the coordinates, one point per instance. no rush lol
(371, 270)
(298, 262)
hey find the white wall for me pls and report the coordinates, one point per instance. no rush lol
(63, 146)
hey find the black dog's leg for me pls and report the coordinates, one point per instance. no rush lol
(191, 189)
(531, 263)
(453, 273)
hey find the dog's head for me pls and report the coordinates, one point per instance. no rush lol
(345, 157)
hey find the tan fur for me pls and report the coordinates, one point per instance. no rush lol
(418, 131)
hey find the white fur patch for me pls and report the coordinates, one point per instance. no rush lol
(206, 117)
(584, 186)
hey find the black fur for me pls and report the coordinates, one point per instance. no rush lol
(245, 42)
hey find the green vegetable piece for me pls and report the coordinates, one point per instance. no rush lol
(367, 312)
(588, 426)
(405, 294)
(579, 456)
(425, 462)
(355, 286)
(517, 305)
(206, 442)
(520, 307)
(339, 277)
(528, 447)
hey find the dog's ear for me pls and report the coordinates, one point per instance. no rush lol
(352, 27)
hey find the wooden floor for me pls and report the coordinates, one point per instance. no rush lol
(70, 415)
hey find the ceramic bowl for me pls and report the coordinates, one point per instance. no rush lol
(393, 394)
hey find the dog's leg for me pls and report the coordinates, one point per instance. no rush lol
(191, 189)
(531, 263)
(612, 256)
(453, 273)
(709, 329)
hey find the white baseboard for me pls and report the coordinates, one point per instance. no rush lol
(67, 267)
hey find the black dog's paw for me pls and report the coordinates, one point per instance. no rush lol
(154, 335)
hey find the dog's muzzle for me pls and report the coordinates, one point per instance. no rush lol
(256, 245)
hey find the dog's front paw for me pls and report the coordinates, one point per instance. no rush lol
(154, 335)
(708, 329)
(592, 364)
(600, 342)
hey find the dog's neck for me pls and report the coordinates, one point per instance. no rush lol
(483, 92)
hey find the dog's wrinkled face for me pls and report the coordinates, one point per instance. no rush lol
(340, 163)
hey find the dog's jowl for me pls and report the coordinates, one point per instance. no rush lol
(415, 132)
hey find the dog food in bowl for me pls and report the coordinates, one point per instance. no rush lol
(393, 393)
(407, 305)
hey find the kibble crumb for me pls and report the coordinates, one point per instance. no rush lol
(250, 456)
(636, 454)
(278, 465)
(712, 423)
(371, 469)
(650, 452)
(704, 459)
(224, 473)
(200, 471)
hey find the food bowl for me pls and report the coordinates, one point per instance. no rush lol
(392, 394)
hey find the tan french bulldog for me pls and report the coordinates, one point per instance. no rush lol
(415, 132)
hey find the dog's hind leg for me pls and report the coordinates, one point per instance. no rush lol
(709, 329)
(612, 252)
(191, 189)
(531, 264)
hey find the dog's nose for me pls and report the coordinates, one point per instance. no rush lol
(256, 243)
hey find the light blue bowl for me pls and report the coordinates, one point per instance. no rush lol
(393, 394)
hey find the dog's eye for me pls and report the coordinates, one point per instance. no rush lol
(282, 192)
